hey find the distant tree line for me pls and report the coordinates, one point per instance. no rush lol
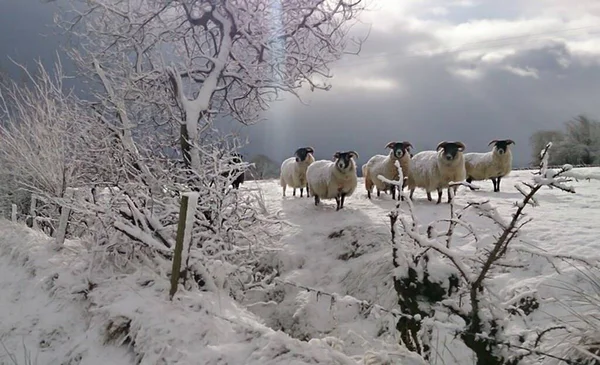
(577, 144)
(264, 168)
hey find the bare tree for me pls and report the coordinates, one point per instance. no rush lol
(264, 168)
(227, 56)
(461, 284)
(539, 139)
(43, 137)
(578, 144)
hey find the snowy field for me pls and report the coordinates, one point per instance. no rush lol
(45, 310)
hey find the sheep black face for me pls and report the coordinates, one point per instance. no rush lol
(399, 148)
(451, 149)
(501, 145)
(343, 160)
(302, 153)
(236, 157)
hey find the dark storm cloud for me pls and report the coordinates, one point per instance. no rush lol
(432, 104)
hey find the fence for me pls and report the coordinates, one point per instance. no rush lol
(181, 252)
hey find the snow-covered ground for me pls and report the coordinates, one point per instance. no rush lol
(322, 252)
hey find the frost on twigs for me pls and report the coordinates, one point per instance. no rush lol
(444, 279)
(167, 74)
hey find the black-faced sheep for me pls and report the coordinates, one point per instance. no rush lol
(493, 165)
(434, 170)
(293, 170)
(236, 159)
(385, 165)
(333, 179)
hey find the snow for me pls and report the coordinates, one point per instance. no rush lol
(333, 297)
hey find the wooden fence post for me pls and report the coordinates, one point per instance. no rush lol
(32, 209)
(189, 201)
(13, 213)
(64, 217)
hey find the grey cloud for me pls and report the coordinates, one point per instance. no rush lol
(431, 105)
(435, 106)
(547, 59)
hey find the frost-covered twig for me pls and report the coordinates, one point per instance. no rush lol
(482, 310)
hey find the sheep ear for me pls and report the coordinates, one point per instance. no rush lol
(336, 155)
(353, 153)
(461, 146)
(441, 145)
(390, 145)
(407, 144)
(510, 141)
(309, 149)
(492, 142)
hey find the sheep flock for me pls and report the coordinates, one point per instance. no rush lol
(445, 168)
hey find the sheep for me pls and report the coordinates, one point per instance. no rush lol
(333, 179)
(493, 165)
(386, 166)
(434, 170)
(293, 170)
(236, 159)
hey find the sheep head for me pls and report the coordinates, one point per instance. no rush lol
(450, 149)
(399, 149)
(302, 153)
(501, 145)
(343, 160)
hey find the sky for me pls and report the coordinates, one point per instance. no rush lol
(430, 70)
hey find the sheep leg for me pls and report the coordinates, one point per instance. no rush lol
(284, 186)
(393, 187)
(428, 196)
(412, 191)
(439, 191)
(378, 192)
(469, 179)
(338, 202)
(301, 192)
(307, 193)
(368, 186)
(294, 192)
(317, 200)
(496, 182)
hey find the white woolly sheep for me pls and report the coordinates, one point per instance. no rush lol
(434, 170)
(293, 170)
(493, 165)
(385, 165)
(333, 179)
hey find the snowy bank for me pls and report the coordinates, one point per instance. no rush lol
(65, 311)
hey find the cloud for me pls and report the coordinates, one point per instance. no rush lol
(524, 72)
(470, 71)
(430, 70)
